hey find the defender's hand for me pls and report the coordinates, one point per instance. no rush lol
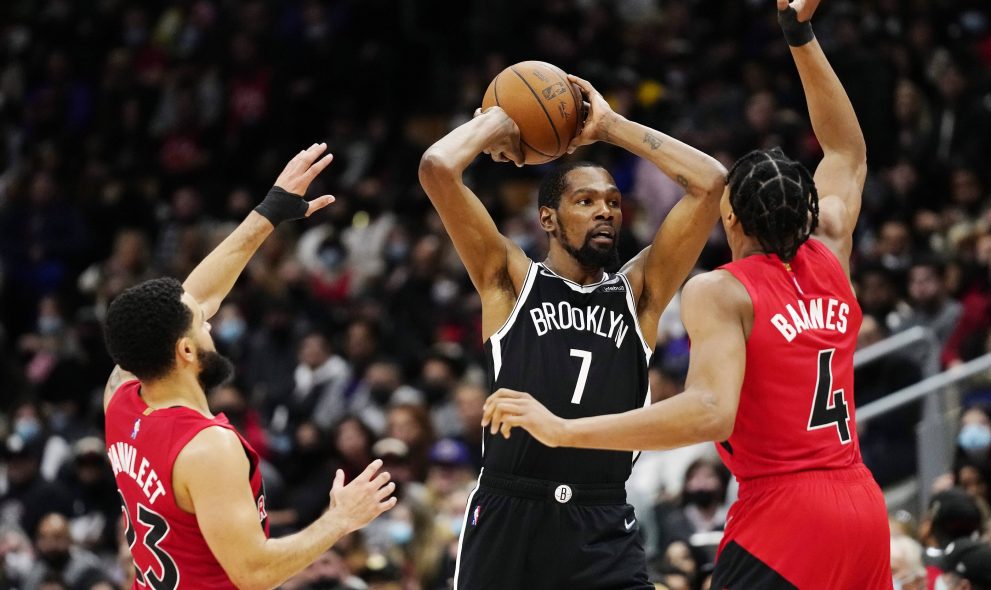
(804, 8)
(506, 408)
(600, 116)
(362, 500)
(300, 172)
(506, 146)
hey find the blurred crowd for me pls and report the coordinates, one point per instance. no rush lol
(135, 135)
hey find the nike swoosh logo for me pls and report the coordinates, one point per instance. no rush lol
(630, 524)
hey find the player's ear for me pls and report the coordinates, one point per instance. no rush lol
(185, 350)
(548, 219)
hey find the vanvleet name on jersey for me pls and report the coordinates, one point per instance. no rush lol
(123, 458)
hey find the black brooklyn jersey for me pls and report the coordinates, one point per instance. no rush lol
(577, 349)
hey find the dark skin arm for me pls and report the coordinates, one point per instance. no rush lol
(496, 266)
(717, 313)
(658, 271)
(840, 176)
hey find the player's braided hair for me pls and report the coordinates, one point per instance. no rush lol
(553, 185)
(775, 199)
(143, 325)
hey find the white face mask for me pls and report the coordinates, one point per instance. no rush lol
(897, 584)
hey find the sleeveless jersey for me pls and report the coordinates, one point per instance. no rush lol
(796, 409)
(167, 547)
(577, 349)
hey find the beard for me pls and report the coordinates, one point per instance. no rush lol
(589, 255)
(215, 369)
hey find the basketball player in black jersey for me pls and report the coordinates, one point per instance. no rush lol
(548, 517)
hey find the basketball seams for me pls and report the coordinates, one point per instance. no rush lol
(550, 121)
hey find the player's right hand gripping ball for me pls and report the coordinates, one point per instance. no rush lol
(545, 106)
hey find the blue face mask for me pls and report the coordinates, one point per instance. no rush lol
(456, 523)
(231, 330)
(400, 532)
(974, 437)
(27, 428)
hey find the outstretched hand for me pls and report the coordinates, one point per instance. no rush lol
(300, 172)
(367, 496)
(804, 8)
(507, 408)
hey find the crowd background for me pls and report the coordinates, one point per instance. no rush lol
(135, 135)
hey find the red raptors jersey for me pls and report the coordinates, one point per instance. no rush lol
(796, 405)
(168, 549)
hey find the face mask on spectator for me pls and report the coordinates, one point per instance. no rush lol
(231, 330)
(975, 439)
(56, 559)
(27, 428)
(897, 584)
(380, 393)
(49, 325)
(456, 522)
(702, 498)
(400, 531)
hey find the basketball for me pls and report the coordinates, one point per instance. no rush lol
(543, 103)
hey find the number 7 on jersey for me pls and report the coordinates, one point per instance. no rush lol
(586, 358)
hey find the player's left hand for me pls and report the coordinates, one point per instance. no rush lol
(507, 408)
(300, 172)
(599, 119)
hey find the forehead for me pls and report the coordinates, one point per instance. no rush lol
(589, 178)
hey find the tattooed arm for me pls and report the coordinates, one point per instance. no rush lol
(658, 271)
(117, 378)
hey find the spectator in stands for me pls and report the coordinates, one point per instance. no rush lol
(701, 507)
(929, 303)
(95, 502)
(974, 439)
(967, 565)
(952, 514)
(906, 564)
(59, 558)
(28, 495)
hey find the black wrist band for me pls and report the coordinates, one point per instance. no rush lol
(280, 205)
(796, 33)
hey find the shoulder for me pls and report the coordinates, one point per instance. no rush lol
(210, 447)
(716, 294)
(717, 285)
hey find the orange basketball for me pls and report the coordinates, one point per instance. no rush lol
(544, 105)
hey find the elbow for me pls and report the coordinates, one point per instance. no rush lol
(718, 418)
(713, 182)
(434, 167)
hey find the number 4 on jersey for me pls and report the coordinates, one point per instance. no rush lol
(829, 407)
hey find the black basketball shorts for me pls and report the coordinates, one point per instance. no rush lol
(523, 534)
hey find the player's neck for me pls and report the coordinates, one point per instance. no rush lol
(745, 248)
(566, 266)
(176, 389)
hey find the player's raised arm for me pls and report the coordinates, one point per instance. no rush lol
(659, 270)
(715, 308)
(210, 479)
(213, 278)
(839, 178)
(495, 265)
